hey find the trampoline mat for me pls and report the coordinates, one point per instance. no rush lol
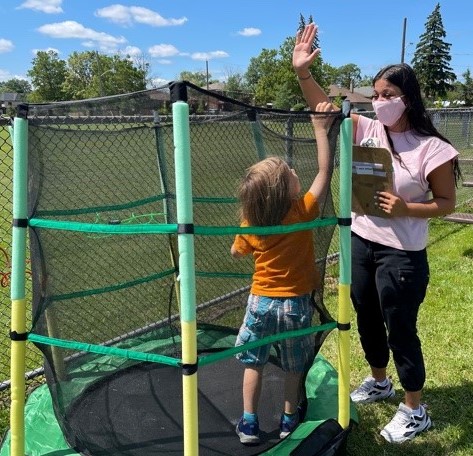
(138, 411)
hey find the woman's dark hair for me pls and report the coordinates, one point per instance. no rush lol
(403, 76)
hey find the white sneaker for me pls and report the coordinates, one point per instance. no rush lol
(405, 425)
(370, 391)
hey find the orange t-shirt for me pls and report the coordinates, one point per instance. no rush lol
(284, 263)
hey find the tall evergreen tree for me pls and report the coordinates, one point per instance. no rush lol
(431, 60)
(302, 24)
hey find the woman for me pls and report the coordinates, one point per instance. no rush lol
(389, 258)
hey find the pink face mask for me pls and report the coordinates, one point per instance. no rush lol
(390, 111)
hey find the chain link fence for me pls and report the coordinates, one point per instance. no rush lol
(455, 124)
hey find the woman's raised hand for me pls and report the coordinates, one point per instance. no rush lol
(303, 55)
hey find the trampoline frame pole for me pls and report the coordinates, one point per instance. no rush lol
(17, 290)
(182, 160)
(346, 141)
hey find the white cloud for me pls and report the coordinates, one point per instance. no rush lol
(165, 62)
(158, 82)
(209, 55)
(163, 50)
(5, 75)
(45, 6)
(91, 38)
(127, 15)
(249, 31)
(132, 51)
(35, 51)
(5, 46)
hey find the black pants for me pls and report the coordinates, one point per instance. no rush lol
(388, 287)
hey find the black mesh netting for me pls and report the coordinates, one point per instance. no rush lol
(110, 162)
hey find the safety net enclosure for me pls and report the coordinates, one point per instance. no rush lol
(103, 210)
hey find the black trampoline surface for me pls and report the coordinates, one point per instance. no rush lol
(139, 412)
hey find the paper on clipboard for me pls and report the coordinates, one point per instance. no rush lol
(372, 171)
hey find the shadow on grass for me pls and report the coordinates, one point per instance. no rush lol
(468, 253)
(451, 410)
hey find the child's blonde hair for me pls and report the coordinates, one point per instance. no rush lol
(264, 192)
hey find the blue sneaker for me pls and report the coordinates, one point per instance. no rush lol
(248, 433)
(286, 427)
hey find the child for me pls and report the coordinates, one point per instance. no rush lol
(285, 275)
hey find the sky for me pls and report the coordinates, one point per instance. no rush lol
(221, 37)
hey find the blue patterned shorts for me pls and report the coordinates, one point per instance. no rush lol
(267, 316)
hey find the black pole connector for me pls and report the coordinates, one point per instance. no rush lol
(20, 223)
(344, 221)
(343, 326)
(185, 228)
(178, 91)
(251, 113)
(189, 369)
(22, 111)
(18, 336)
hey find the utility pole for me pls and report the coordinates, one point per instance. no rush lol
(403, 48)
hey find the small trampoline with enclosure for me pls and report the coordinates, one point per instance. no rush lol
(127, 214)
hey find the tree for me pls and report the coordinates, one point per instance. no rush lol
(431, 58)
(284, 98)
(79, 81)
(365, 80)
(302, 24)
(199, 78)
(260, 75)
(348, 75)
(16, 85)
(85, 75)
(467, 88)
(123, 77)
(47, 75)
(272, 79)
(91, 74)
(236, 88)
(141, 62)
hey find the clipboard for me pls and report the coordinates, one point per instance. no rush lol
(372, 171)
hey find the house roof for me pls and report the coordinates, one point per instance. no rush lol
(10, 96)
(216, 86)
(353, 97)
(366, 91)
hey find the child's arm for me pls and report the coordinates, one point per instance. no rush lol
(235, 253)
(321, 126)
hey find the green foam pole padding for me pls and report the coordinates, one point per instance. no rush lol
(346, 141)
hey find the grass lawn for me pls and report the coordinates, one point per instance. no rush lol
(446, 330)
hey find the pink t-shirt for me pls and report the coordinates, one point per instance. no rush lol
(420, 155)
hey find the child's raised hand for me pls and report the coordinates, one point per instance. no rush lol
(320, 122)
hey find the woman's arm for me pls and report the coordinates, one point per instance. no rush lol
(442, 184)
(302, 59)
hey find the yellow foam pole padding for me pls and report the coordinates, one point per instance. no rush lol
(17, 387)
(344, 357)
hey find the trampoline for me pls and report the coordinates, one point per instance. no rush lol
(130, 214)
